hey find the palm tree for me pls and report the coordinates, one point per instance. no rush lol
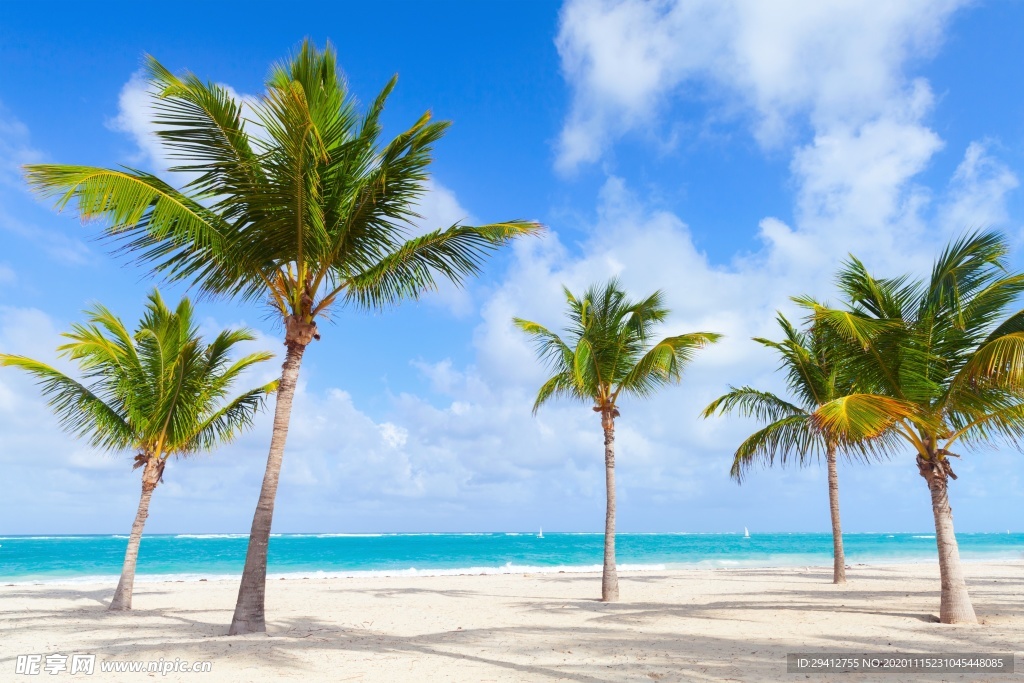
(160, 392)
(303, 208)
(608, 354)
(815, 376)
(942, 363)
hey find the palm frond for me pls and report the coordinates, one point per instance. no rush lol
(223, 426)
(863, 416)
(763, 406)
(606, 349)
(411, 270)
(557, 386)
(202, 124)
(664, 363)
(999, 362)
(784, 439)
(159, 391)
(302, 201)
(79, 411)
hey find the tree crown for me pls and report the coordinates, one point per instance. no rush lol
(609, 349)
(160, 391)
(937, 360)
(815, 375)
(291, 197)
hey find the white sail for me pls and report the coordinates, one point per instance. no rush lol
(746, 532)
(541, 534)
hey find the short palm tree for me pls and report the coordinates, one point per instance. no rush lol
(303, 207)
(160, 393)
(942, 366)
(608, 354)
(815, 376)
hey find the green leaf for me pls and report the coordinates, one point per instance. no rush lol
(158, 391)
(862, 416)
(606, 349)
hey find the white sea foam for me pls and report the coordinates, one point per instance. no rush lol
(113, 579)
(923, 536)
(49, 538)
(334, 535)
(347, 535)
(774, 562)
(342, 574)
(208, 536)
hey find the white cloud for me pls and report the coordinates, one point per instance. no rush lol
(57, 245)
(135, 118)
(977, 192)
(832, 66)
(28, 331)
(835, 62)
(7, 275)
(669, 458)
(16, 150)
(439, 208)
(827, 79)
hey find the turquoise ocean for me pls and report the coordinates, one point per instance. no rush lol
(64, 559)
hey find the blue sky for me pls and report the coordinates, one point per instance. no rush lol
(730, 153)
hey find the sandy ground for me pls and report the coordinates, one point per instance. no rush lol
(698, 625)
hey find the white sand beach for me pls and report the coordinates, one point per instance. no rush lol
(695, 625)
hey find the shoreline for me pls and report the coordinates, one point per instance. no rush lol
(501, 570)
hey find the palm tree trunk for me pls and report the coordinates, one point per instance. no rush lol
(838, 558)
(249, 614)
(609, 578)
(123, 595)
(955, 604)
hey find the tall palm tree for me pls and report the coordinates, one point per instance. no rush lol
(814, 374)
(303, 207)
(942, 366)
(160, 392)
(609, 354)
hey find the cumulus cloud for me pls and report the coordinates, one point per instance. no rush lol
(135, 118)
(831, 70)
(834, 62)
(830, 83)
(976, 196)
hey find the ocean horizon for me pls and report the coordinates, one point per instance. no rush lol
(185, 557)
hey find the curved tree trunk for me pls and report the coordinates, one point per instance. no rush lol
(249, 614)
(150, 478)
(955, 604)
(838, 558)
(609, 577)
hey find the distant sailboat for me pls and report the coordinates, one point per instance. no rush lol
(541, 534)
(746, 532)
